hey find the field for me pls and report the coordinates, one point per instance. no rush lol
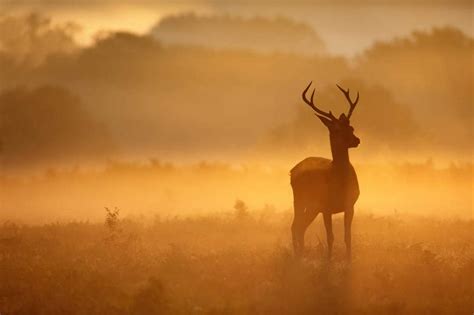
(146, 149)
(235, 262)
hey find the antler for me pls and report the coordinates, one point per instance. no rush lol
(311, 104)
(351, 104)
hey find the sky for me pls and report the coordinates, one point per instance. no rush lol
(348, 27)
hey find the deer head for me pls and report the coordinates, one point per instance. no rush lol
(341, 133)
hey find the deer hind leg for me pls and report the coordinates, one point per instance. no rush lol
(329, 234)
(303, 218)
(348, 215)
(297, 230)
(308, 218)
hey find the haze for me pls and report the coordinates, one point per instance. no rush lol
(182, 109)
(145, 151)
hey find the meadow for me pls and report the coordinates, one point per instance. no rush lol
(238, 261)
(147, 170)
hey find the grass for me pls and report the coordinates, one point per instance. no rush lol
(235, 264)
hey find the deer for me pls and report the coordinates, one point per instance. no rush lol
(326, 186)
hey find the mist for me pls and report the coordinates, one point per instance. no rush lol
(183, 92)
(146, 149)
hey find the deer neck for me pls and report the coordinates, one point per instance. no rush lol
(340, 156)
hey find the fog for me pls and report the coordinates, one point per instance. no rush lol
(197, 189)
(145, 152)
(224, 86)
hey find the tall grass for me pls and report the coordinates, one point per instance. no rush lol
(235, 264)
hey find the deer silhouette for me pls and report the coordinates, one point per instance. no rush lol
(322, 185)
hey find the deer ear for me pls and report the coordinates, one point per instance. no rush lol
(327, 122)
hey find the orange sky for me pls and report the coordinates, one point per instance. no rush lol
(347, 29)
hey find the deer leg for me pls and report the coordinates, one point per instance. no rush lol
(348, 215)
(307, 218)
(297, 230)
(330, 236)
(300, 225)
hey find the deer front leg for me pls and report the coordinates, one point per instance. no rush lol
(330, 237)
(348, 215)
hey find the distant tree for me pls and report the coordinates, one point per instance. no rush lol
(48, 124)
(241, 209)
(32, 38)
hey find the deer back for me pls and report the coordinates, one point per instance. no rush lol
(320, 183)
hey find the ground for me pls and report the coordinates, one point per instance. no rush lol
(236, 264)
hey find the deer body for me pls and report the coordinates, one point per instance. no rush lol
(321, 185)
(326, 186)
